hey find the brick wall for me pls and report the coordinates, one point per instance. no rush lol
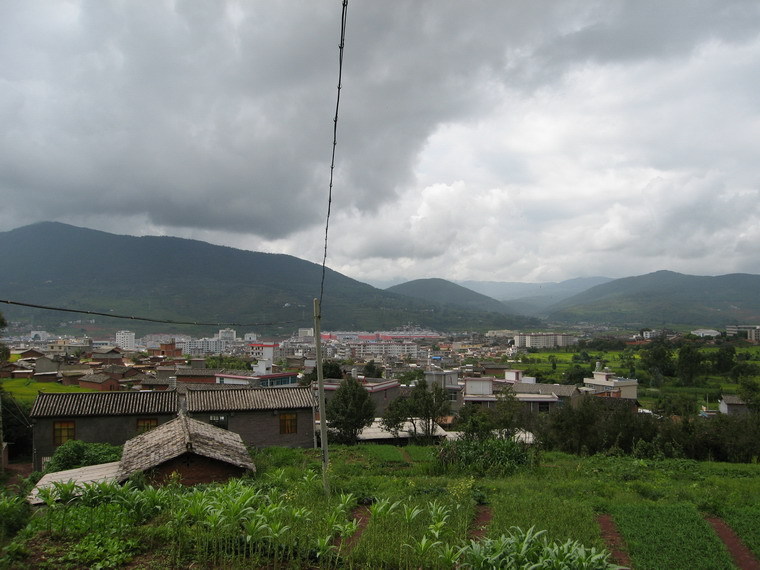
(194, 469)
(262, 428)
(99, 429)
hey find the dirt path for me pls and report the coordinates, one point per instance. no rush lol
(613, 540)
(361, 515)
(742, 555)
(479, 526)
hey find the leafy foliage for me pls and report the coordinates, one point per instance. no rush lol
(75, 453)
(493, 457)
(349, 411)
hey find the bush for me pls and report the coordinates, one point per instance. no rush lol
(493, 457)
(14, 512)
(74, 454)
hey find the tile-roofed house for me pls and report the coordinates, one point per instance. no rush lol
(539, 397)
(732, 404)
(96, 417)
(262, 416)
(136, 380)
(199, 452)
(561, 390)
(99, 381)
(255, 399)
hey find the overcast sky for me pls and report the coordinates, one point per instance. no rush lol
(489, 140)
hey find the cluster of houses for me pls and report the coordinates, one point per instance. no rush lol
(149, 404)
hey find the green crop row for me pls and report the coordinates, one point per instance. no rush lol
(670, 536)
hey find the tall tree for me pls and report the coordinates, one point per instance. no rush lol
(330, 369)
(749, 392)
(688, 364)
(349, 411)
(372, 370)
(428, 404)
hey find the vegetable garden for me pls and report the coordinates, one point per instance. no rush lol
(393, 508)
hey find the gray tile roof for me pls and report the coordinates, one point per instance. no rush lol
(177, 437)
(197, 371)
(732, 400)
(95, 378)
(138, 379)
(104, 403)
(561, 390)
(255, 399)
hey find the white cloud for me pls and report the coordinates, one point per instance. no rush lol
(496, 140)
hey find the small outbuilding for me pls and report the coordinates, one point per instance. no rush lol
(198, 452)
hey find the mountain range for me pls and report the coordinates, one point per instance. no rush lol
(175, 279)
(169, 278)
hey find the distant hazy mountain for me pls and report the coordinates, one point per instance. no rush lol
(666, 298)
(508, 290)
(446, 292)
(532, 298)
(187, 280)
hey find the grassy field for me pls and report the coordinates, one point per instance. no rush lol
(26, 390)
(415, 518)
(553, 364)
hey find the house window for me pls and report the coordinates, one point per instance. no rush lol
(62, 432)
(543, 406)
(288, 423)
(218, 420)
(146, 424)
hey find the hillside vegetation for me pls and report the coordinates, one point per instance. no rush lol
(187, 280)
(665, 298)
(389, 509)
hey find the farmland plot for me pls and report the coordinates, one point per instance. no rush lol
(670, 536)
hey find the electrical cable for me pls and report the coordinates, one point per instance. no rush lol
(147, 319)
(334, 145)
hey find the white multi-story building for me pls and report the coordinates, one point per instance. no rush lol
(125, 340)
(264, 350)
(753, 331)
(229, 335)
(543, 340)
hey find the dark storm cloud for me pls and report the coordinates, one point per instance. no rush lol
(484, 137)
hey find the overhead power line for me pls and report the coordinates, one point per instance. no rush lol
(147, 319)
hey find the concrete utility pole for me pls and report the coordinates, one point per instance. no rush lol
(321, 385)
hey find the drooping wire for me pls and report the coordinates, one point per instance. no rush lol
(334, 145)
(147, 319)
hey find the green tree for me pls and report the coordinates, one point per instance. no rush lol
(507, 412)
(411, 376)
(349, 411)
(396, 416)
(429, 405)
(227, 362)
(749, 391)
(688, 364)
(372, 370)
(575, 374)
(682, 405)
(330, 369)
(658, 358)
(475, 422)
(724, 359)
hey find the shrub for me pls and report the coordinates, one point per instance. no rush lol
(75, 453)
(493, 457)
